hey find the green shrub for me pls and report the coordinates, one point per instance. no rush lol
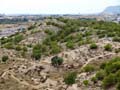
(89, 68)
(55, 48)
(18, 48)
(44, 48)
(23, 54)
(118, 86)
(100, 75)
(18, 38)
(9, 45)
(70, 78)
(112, 67)
(4, 58)
(108, 47)
(116, 39)
(6, 40)
(49, 32)
(117, 74)
(29, 45)
(70, 44)
(117, 50)
(109, 80)
(24, 49)
(110, 73)
(111, 34)
(36, 52)
(56, 61)
(86, 82)
(80, 43)
(31, 27)
(101, 35)
(103, 65)
(94, 79)
(93, 46)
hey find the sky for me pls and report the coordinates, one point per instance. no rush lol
(55, 6)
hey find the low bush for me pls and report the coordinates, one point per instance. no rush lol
(108, 47)
(4, 58)
(89, 68)
(93, 46)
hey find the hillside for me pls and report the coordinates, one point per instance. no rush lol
(112, 10)
(62, 54)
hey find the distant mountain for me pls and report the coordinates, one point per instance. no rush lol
(112, 10)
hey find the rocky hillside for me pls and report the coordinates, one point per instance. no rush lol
(62, 54)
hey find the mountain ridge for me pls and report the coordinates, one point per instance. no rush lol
(112, 10)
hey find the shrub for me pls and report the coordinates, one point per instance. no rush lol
(103, 65)
(111, 34)
(9, 45)
(94, 79)
(18, 48)
(100, 75)
(18, 38)
(101, 35)
(116, 39)
(89, 68)
(4, 58)
(108, 47)
(55, 48)
(23, 54)
(118, 86)
(93, 46)
(29, 45)
(117, 50)
(56, 61)
(69, 38)
(85, 82)
(36, 52)
(70, 78)
(49, 32)
(70, 44)
(80, 42)
(110, 73)
(109, 80)
(31, 27)
(117, 74)
(112, 67)
(24, 49)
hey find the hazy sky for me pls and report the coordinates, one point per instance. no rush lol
(55, 6)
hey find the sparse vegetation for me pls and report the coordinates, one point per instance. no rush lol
(74, 45)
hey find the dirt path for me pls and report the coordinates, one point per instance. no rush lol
(91, 59)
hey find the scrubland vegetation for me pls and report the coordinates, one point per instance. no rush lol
(73, 51)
